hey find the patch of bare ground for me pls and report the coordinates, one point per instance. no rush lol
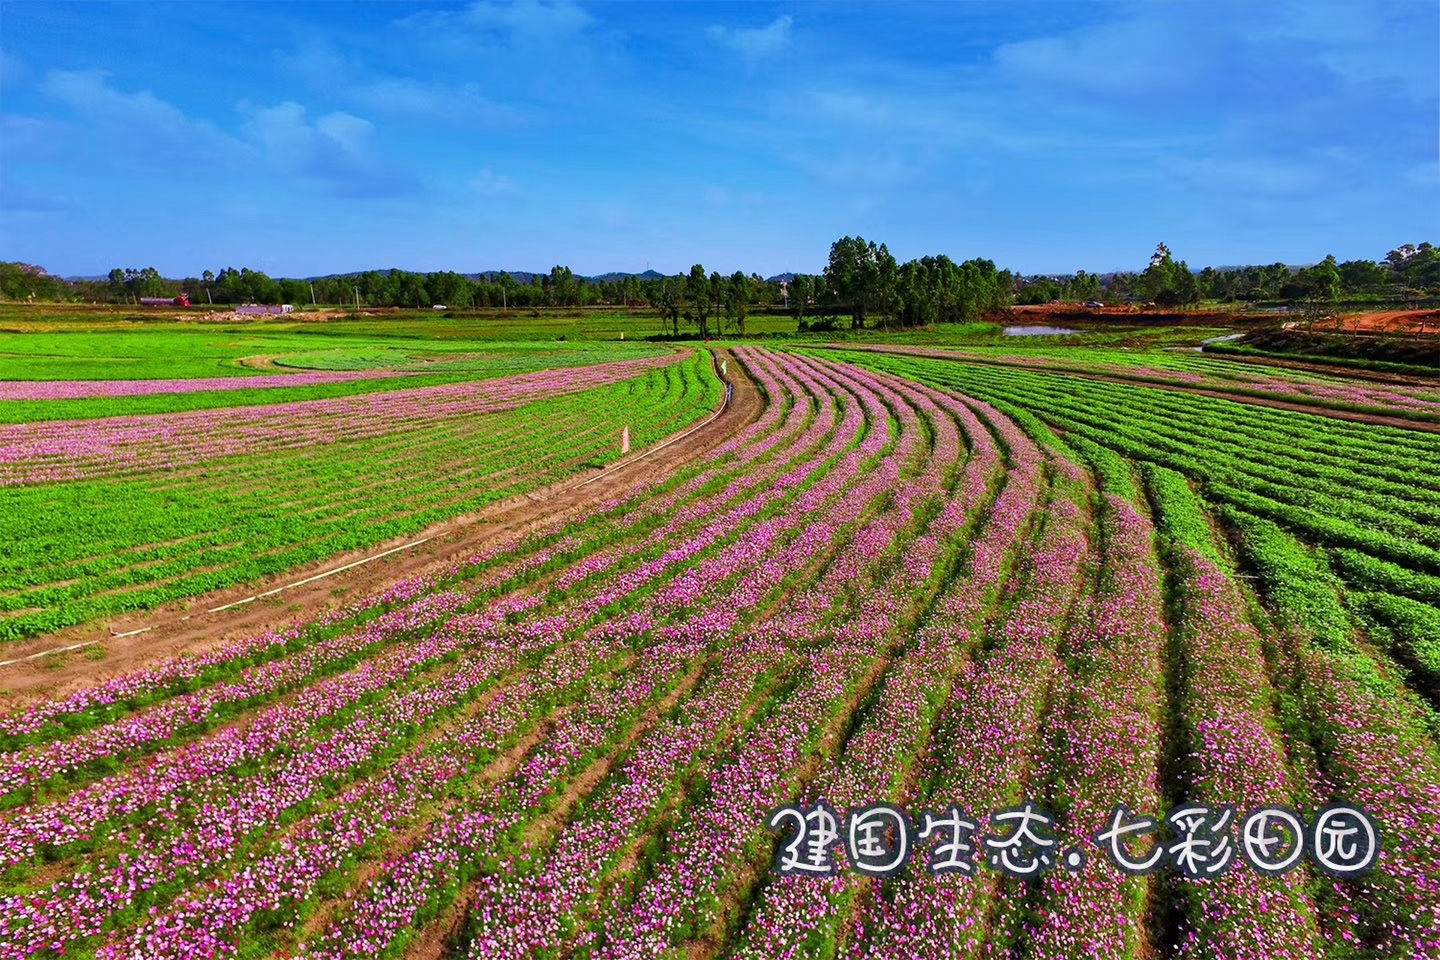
(1392, 322)
(185, 627)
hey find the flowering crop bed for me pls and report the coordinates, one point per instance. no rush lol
(122, 513)
(72, 383)
(952, 590)
(77, 389)
(1185, 368)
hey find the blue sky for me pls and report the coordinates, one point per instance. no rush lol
(314, 138)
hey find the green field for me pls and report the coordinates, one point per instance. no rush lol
(996, 571)
(129, 536)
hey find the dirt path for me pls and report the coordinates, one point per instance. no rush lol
(261, 362)
(1403, 423)
(181, 627)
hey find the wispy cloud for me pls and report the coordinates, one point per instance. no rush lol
(753, 43)
(487, 183)
(717, 196)
(18, 199)
(399, 97)
(528, 21)
(11, 69)
(1257, 175)
(1142, 57)
(863, 169)
(336, 150)
(139, 121)
(30, 138)
(416, 99)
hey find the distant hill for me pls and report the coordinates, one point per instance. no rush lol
(612, 277)
(523, 277)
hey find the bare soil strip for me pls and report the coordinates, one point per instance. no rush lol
(181, 627)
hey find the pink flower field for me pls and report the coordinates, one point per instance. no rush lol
(881, 589)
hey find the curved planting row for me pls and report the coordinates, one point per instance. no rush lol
(885, 589)
(1323, 694)
(68, 450)
(295, 791)
(75, 389)
(90, 547)
(1186, 369)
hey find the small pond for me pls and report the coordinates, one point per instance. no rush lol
(1037, 331)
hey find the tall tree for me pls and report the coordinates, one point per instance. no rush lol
(697, 295)
(862, 275)
(717, 298)
(737, 300)
(667, 301)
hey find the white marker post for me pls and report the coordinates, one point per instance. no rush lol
(625, 441)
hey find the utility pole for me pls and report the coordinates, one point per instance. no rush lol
(312, 295)
(357, 298)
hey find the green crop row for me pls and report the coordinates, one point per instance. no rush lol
(91, 548)
(1269, 464)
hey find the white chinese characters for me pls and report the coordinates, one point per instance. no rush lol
(1194, 839)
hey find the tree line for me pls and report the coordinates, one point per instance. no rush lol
(1409, 271)
(861, 281)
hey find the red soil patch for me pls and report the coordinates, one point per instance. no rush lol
(1400, 322)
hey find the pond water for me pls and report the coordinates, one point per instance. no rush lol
(1201, 348)
(1037, 331)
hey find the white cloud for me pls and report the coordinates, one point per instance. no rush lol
(862, 109)
(872, 169)
(30, 138)
(414, 99)
(335, 149)
(1251, 175)
(525, 21)
(141, 121)
(12, 71)
(530, 17)
(282, 130)
(1144, 56)
(400, 98)
(753, 43)
(350, 132)
(487, 183)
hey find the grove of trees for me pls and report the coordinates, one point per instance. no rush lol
(862, 282)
